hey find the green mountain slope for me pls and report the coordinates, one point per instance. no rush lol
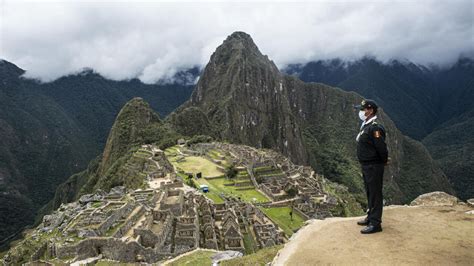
(49, 131)
(452, 145)
(431, 104)
(135, 125)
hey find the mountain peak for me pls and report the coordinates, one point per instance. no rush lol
(8, 68)
(240, 35)
(237, 64)
(128, 130)
(238, 45)
(240, 40)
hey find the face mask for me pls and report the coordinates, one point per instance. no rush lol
(362, 115)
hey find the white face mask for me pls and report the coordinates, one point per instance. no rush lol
(362, 115)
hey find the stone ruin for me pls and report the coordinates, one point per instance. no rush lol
(148, 225)
(275, 175)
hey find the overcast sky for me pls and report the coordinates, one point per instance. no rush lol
(153, 40)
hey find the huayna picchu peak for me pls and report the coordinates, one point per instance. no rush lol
(240, 166)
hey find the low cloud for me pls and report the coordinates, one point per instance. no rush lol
(153, 40)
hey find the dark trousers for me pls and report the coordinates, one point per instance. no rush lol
(373, 181)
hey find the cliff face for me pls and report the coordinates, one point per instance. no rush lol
(247, 100)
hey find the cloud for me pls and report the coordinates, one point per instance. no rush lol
(153, 40)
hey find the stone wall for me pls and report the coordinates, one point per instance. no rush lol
(110, 248)
(298, 211)
(147, 237)
(129, 223)
(39, 252)
(117, 215)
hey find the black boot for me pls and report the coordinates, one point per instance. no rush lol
(370, 229)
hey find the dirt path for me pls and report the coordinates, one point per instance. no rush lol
(411, 236)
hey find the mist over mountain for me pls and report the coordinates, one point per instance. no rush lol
(123, 41)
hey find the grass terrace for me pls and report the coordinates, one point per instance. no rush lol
(195, 164)
(196, 258)
(262, 257)
(216, 155)
(218, 185)
(249, 243)
(281, 216)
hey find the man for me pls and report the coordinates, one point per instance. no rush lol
(373, 155)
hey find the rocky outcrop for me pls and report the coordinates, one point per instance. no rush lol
(436, 231)
(470, 202)
(433, 199)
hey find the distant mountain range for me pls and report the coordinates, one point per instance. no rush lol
(431, 104)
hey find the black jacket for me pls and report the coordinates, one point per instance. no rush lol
(371, 147)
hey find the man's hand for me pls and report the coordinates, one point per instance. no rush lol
(388, 161)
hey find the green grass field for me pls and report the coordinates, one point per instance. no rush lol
(214, 196)
(249, 243)
(195, 164)
(260, 258)
(217, 185)
(198, 258)
(281, 216)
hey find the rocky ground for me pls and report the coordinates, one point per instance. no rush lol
(436, 229)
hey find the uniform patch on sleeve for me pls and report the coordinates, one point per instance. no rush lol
(377, 134)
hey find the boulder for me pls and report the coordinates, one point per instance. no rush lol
(53, 220)
(117, 191)
(90, 198)
(470, 202)
(86, 233)
(433, 199)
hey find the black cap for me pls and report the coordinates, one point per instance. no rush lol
(367, 103)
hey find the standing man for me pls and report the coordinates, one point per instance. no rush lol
(373, 155)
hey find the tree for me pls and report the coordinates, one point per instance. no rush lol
(231, 172)
(291, 211)
(291, 191)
